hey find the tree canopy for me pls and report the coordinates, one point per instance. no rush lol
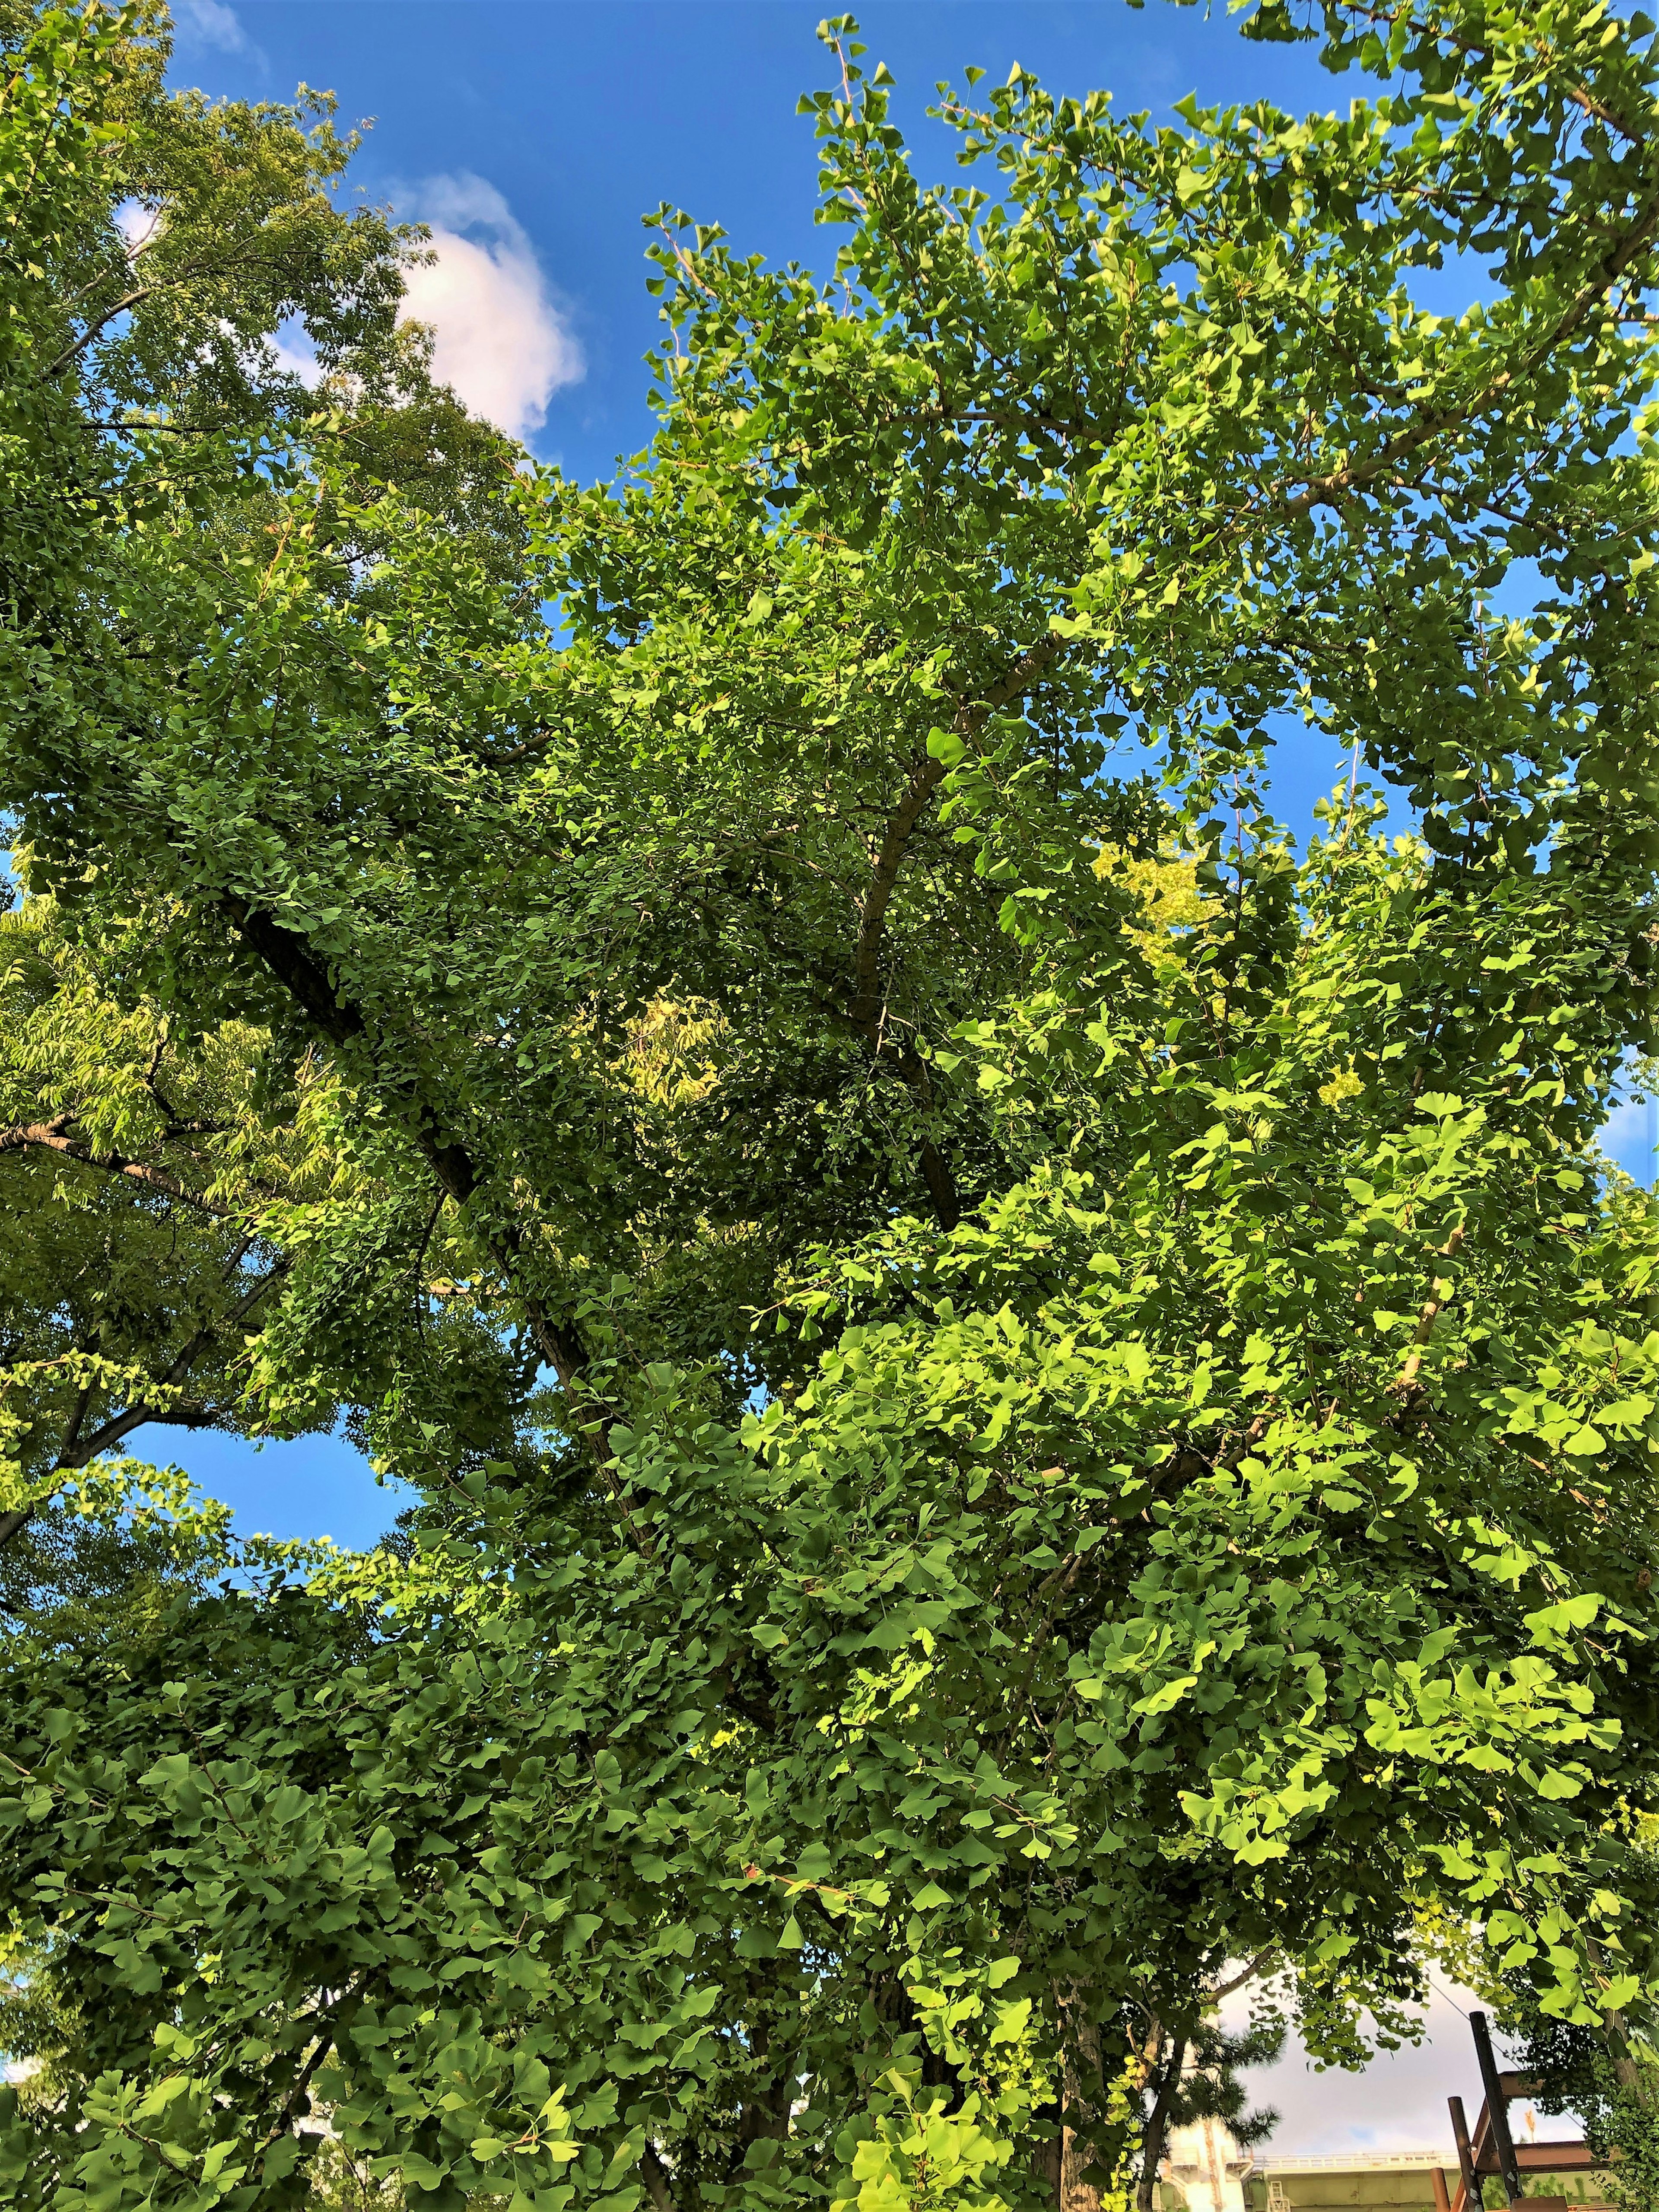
(1029, 1395)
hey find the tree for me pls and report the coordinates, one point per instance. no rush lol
(158, 244)
(1197, 2080)
(1083, 1436)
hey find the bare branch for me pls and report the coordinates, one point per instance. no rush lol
(1238, 1981)
(72, 353)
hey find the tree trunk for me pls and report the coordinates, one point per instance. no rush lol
(1048, 2163)
(1083, 2084)
(767, 2118)
(763, 2117)
(1077, 2155)
(1157, 2130)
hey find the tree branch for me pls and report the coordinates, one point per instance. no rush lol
(1426, 1319)
(1327, 489)
(73, 352)
(864, 1008)
(655, 2176)
(970, 718)
(344, 2012)
(1157, 2123)
(1249, 1973)
(1580, 95)
(48, 1135)
(79, 1451)
(19, 1517)
(298, 968)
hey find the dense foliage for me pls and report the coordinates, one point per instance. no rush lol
(1026, 1398)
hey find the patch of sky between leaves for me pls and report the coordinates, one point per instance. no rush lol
(296, 1489)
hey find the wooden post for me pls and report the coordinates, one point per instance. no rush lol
(1498, 2108)
(1442, 2194)
(1465, 2156)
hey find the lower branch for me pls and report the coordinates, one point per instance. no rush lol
(343, 2014)
(291, 961)
(49, 1136)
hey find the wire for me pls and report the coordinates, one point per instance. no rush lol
(1450, 2000)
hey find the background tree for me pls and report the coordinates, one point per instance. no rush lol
(195, 1238)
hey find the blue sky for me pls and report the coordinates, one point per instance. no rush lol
(552, 128)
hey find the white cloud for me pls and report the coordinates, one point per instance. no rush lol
(210, 23)
(499, 338)
(295, 352)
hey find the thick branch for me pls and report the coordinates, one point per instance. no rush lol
(188, 1413)
(883, 880)
(49, 1136)
(19, 1517)
(139, 293)
(1327, 489)
(1157, 2123)
(1426, 1319)
(1238, 1981)
(78, 1451)
(654, 2174)
(73, 351)
(971, 718)
(307, 982)
(901, 826)
(344, 2012)
(298, 970)
(863, 1009)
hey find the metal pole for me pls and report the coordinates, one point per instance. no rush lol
(1497, 2107)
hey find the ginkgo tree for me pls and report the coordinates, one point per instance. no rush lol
(1028, 1400)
